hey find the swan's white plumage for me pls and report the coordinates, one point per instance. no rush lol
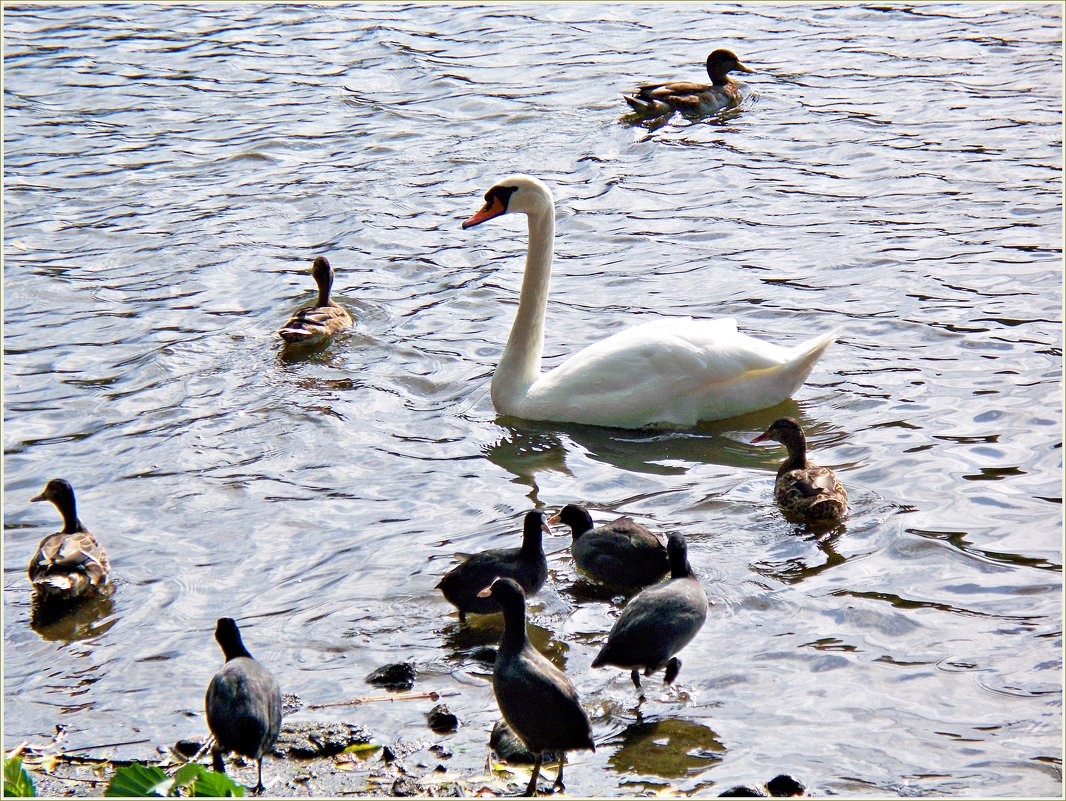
(674, 371)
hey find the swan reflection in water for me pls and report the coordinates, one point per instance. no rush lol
(527, 447)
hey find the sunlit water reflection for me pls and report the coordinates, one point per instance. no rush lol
(170, 173)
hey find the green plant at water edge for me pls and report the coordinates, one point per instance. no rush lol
(17, 782)
(150, 781)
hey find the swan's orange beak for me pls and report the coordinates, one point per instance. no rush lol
(494, 208)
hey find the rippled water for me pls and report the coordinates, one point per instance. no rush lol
(894, 170)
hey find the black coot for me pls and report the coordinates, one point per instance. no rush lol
(537, 700)
(658, 622)
(526, 565)
(243, 703)
(623, 552)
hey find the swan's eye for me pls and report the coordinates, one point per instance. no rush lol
(501, 194)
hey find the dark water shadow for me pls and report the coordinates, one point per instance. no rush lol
(477, 639)
(671, 748)
(72, 622)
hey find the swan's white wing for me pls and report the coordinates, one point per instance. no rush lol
(674, 371)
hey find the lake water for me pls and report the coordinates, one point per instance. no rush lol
(893, 170)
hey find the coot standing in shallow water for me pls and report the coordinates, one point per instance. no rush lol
(537, 700)
(623, 553)
(462, 584)
(658, 622)
(243, 703)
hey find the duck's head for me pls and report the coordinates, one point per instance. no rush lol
(322, 272)
(677, 552)
(506, 592)
(516, 193)
(228, 636)
(58, 491)
(786, 431)
(577, 518)
(723, 61)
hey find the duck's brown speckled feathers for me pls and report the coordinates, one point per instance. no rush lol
(802, 488)
(69, 564)
(656, 100)
(314, 324)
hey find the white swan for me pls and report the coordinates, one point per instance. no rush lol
(670, 372)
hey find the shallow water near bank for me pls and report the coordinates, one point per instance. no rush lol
(893, 171)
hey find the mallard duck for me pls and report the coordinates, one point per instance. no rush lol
(527, 565)
(69, 564)
(243, 703)
(670, 372)
(802, 488)
(314, 324)
(623, 552)
(536, 699)
(655, 100)
(658, 622)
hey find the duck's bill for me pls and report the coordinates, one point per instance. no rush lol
(494, 208)
(760, 438)
(36, 498)
(743, 68)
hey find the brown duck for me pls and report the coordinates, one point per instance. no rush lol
(656, 100)
(69, 564)
(315, 324)
(803, 488)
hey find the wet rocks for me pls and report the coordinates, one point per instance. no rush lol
(784, 786)
(442, 720)
(398, 676)
(781, 786)
(306, 739)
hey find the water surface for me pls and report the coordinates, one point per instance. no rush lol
(893, 171)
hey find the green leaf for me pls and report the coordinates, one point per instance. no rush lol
(187, 774)
(138, 781)
(17, 782)
(215, 785)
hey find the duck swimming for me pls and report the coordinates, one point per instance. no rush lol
(315, 324)
(669, 372)
(71, 563)
(802, 488)
(655, 100)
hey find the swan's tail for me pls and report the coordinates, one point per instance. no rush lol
(802, 359)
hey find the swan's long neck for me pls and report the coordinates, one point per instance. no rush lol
(519, 365)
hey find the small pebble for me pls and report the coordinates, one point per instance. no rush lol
(188, 748)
